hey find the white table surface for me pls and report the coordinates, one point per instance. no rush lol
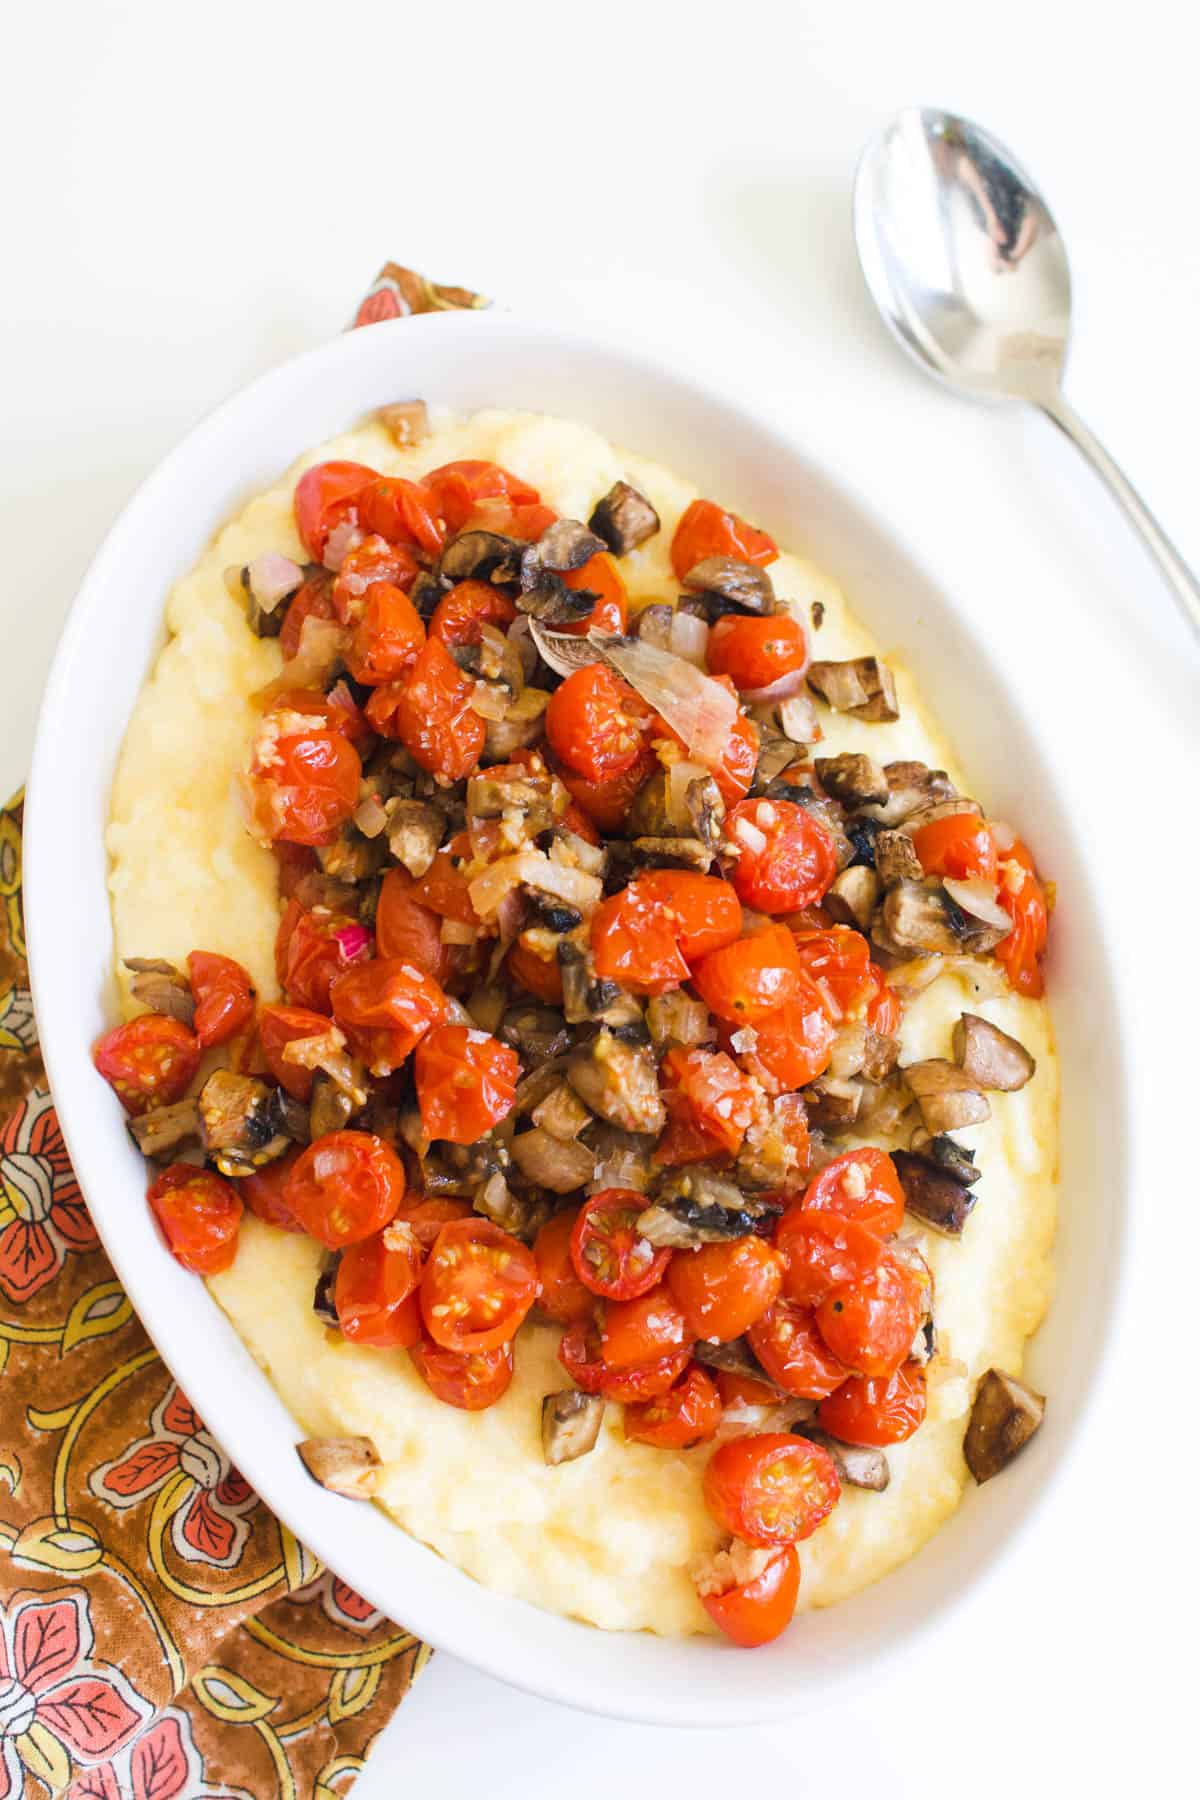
(192, 195)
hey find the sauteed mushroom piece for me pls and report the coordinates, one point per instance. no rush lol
(414, 834)
(947, 1097)
(564, 546)
(990, 1057)
(624, 518)
(896, 859)
(727, 584)
(552, 1162)
(161, 987)
(406, 420)
(481, 556)
(653, 625)
(159, 1132)
(618, 1082)
(862, 685)
(857, 1465)
(911, 787)
(347, 1465)
(1004, 1417)
(570, 1425)
(852, 779)
(933, 1194)
(240, 1124)
(853, 897)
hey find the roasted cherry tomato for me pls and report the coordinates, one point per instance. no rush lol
(686, 1415)
(539, 974)
(785, 858)
(280, 1025)
(148, 1062)
(959, 845)
(375, 1290)
(822, 1250)
(706, 529)
(606, 802)
(472, 1382)
(861, 1185)
(870, 1324)
(223, 995)
(387, 638)
(371, 561)
(262, 1191)
(459, 487)
(403, 512)
(751, 978)
(838, 962)
(430, 711)
(308, 788)
(313, 946)
(633, 1332)
(883, 1004)
(579, 1354)
(601, 576)
(596, 723)
(427, 1213)
(721, 1289)
(755, 653)
(479, 1283)
(793, 1352)
(338, 709)
(444, 888)
(647, 936)
(345, 1187)
(326, 496)
(771, 1487)
(312, 601)
(563, 1295)
(385, 1008)
(1024, 900)
(466, 1082)
(756, 1611)
(408, 930)
(792, 1045)
(876, 1410)
(460, 616)
(199, 1215)
(744, 1390)
(709, 1103)
(611, 1258)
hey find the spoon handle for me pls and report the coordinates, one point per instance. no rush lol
(1175, 571)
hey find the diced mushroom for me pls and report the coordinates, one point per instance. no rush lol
(522, 1215)
(1004, 1417)
(949, 1155)
(627, 859)
(536, 1032)
(912, 786)
(853, 897)
(948, 1099)
(694, 1206)
(921, 916)
(534, 801)
(985, 922)
(833, 1105)
(677, 1021)
(653, 625)
(345, 1465)
(619, 1082)
(849, 1050)
(624, 518)
(414, 834)
(561, 1113)
(863, 686)
(330, 1107)
(551, 1162)
(161, 988)
(406, 420)
(990, 1057)
(481, 556)
(623, 1159)
(570, 1425)
(934, 1196)
(798, 719)
(351, 857)
(323, 1303)
(896, 859)
(521, 725)
(734, 1357)
(734, 584)
(858, 1465)
(949, 806)
(852, 779)
(159, 1132)
(882, 1105)
(241, 1128)
(566, 545)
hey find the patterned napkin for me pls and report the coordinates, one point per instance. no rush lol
(162, 1635)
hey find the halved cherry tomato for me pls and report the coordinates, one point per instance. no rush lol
(721, 1289)
(344, 1187)
(479, 1282)
(458, 488)
(406, 929)
(444, 888)
(148, 1062)
(606, 802)
(861, 1185)
(385, 1008)
(430, 711)
(883, 1004)
(792, 1044)
(427, 1213)
(308, 789)
(540, 974)
(757, 1611)
(646, 936)
(793, 1352)
(223, 995)
(199, 1215)
(387, 638)
(706, 529)
(314, 600)
(876, 1410)
(459, 616)
(770, 1487)
(756, 652)
(375, 1291)
(822, 1251)
(959, 845)
(686, 1415)
(838, 961)
(596, 723)
(751, 978)
(633, 1332)
(262, 1190)
(280, 1025)
(563, 1295)
(1024, 900)
(611, 1258)
(579, 1354)
(870, 1324)
(785, 857)
(466, 1082)
(472, 1382)
(313, 946)
(326, 496)
(371, 561)
(600, 576)
(709, 1104)
(744, 1390)
(403, 512)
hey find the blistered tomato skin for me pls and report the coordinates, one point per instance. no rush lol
(345, 1187)
(770, 1488)
(861, 1185)
(375, 1291)
(723, 1288)
(563, 1296)
(460, 616)
(596, 724)
(870, 1324)
(758, 1611)
(579, 1354)
(472, 1381)
(328, 495)
(686, 1415)
(706, 529)
(429, 710)
(478, 1284)
(600, 575)
(199, 1215)
(466, 1082)
(747, 980)
(385, 1007)
(148, 1062)
(279, 1026)
(223, 995)
(642, 1330)
(308, 789)
(647, 936)
(754, 653)
(785, 858)
(876, 1411)
(793, 1352)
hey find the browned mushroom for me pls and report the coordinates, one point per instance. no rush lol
(535, 1032)
(619, 1082)
(162, 988)
(932, 1194)
(677, 1021)
(912, 786)
(768, 1159)
(653, 625)
(241, 1126)
(629, 859)
(414, 834)
(881, 1107)
(852, 779)
(160, 1132)
(857, 1465)
(948, 1099)
(896, 858)
(562, 1113)
(522, 1215)
(481, 556)
(563, 547)
(734, 1357)
(624, 518)
(570, 1425)
(833, 1104)
(345, 1465)
(552, 1162)
(862, 685)
(922, 916)
(948, 1154)
(623, 1158)
(990, 1057)
(1004, 1417)
(330, 1107)
(853, 897)
(731, 583)
(407, 421)
(352, 857)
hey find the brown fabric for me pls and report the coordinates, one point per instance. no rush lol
(162, 1635)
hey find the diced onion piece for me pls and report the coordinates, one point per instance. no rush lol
(370, 816)
(272, 577)
(689, 637)
(798, 719)
(578, 889)
(327, 1051)
(1003, 835)
(744, 1040)
(342, 540)
(490, 701)
(454, 932)
(783, 689)
(680, 777)
(693, 704)
(321, 644)
(754, 840)
(980, 899)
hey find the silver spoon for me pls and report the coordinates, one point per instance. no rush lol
(966, 265)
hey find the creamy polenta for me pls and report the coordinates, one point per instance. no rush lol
(607, 1538)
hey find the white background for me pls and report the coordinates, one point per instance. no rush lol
(193, 194)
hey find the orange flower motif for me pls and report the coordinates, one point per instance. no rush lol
(42, 1212)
